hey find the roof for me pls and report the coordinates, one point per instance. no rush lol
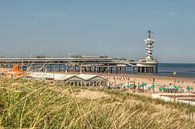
(41, 75)
(86, 76)
(62, 77)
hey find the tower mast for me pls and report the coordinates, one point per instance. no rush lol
(149, 42)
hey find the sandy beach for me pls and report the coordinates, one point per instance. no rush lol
(116, 79)
(160, 80)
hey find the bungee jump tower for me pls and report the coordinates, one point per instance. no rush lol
(148, 64)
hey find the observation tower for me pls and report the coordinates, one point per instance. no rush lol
(149, 42)
(148, 64)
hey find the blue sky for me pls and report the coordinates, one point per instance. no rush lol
(114, 28)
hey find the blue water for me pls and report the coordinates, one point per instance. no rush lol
(164, 69)
(182, 70)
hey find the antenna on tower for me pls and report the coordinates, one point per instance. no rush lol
(149, 34)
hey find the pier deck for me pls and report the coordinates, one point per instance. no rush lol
(87, 64)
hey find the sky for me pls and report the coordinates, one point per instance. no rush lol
(115, 28)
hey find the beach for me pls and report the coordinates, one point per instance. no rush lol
(159, 80)
(116, 79)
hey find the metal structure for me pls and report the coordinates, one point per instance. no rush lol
(80, 63)
(74, 64)
(148, 64)
(149, 42)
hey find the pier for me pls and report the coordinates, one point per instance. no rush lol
(82, 64)
(79, 63)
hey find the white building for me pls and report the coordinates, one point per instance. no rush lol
(71, 80)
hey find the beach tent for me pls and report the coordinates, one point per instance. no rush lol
(142, 85)
(162, 89)
(189, 88)
(181, 90)
(170, 89)
(131, 85)
(175, 87)
(152, 86)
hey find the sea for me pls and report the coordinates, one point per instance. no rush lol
(181, 69)
(164, 69)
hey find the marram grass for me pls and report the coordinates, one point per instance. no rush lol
(37, 105)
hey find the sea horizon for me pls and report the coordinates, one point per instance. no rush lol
(180, 69)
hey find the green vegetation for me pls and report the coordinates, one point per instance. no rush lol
(33, 104)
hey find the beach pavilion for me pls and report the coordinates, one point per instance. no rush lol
(84, 80)
(72, 80)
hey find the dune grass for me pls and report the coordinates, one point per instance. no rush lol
(34, 104)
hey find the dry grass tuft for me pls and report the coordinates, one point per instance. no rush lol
(88, 94)
(37, 105)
